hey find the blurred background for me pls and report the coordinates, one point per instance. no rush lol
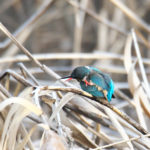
(64, 34)
(97, 28)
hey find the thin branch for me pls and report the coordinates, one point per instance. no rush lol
(4, 91)
(121, 142)
(16, 76)
(24, 50)
(101, 101)
(140, 61)
(129, 13)
(69, 56)
(24, 69)
(98, 18)
(89, 115)
(27, 23)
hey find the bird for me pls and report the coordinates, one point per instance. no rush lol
(93, 81)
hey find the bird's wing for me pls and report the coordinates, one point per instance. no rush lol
(98, 80)
(107, 84)
(102, 81)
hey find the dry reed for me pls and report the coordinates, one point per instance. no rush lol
(44, 40)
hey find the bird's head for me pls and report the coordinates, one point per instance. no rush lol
(78, 73)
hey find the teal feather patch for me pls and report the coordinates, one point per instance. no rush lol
(101, 84)
(93, 81)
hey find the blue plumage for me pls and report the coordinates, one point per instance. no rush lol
(101, 84)
(94, 81)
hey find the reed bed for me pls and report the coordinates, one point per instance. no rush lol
(42, 41)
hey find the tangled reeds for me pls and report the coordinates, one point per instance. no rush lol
(40, 111)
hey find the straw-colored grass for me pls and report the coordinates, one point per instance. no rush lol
(44, 40)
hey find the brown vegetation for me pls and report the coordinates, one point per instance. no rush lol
(44, 40)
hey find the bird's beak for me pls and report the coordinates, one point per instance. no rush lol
(67, 77)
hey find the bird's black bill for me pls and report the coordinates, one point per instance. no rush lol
(67, 77)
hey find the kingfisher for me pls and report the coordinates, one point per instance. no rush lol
(93, 81)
